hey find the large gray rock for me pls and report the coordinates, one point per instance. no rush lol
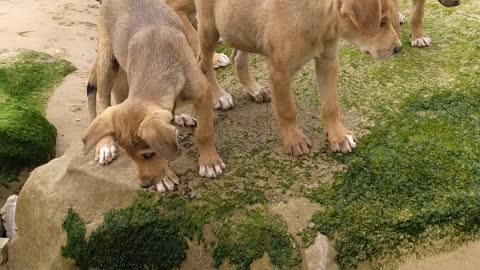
(72, 181)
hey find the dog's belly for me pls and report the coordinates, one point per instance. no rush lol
(240, 24)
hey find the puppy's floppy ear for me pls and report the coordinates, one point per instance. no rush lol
(160, 135)
(365, 14)
(99, 128)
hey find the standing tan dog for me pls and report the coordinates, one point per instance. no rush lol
(291, 33)
(418, 37)
(146, 39)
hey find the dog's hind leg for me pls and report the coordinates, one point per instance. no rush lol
(107, 68)
(209, 35)
(252, 87)
(418, 37)
(341, 139)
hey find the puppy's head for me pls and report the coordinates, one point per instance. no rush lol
(372, 25)
(450, 3)
(145, 135)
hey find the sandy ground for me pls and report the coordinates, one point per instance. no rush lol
(66, 28)
(61, 28)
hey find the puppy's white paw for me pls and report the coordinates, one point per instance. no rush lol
(421, 42)
(220, 60)
(225, 102)
(168, 183)
(211, 165)
(402, 18)
(106, 151)
(185, 120)
(344, 146)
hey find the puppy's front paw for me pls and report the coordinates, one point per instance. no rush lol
(220, 60)
(169, 181)
(106, 151)
(421, 42)
(211, 165)
(260, 94)
(224, 102)
(185, 120)
(295, 143)
(341, 140)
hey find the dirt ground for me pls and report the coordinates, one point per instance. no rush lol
(67, 28)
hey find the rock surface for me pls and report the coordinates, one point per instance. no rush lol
(72, 181)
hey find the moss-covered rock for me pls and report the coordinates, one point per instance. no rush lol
(137, 237)
(414, 180)
(27, 138)
(249, 234)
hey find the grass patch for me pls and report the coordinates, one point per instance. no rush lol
(416, 173)
(27, 138)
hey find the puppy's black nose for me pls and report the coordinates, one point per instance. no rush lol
(397, 49)
(146, 183)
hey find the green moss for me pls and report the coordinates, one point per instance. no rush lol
(417, 171)
(27, 138)
(250, 234)
(138, 237)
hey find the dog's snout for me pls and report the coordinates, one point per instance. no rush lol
(397, 49)
(146, 183)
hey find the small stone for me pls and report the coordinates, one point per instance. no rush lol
(77, 120)
(320, 255)
(3, 250)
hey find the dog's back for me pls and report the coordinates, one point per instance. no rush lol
(120, 20)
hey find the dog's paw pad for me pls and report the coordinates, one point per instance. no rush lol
(421, 42)
(225, 102)
(261, 95)
(220, 60)
(185, 120)
(106, 154)
(344, 146)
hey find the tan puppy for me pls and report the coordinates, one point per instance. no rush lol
(291, 33)
(146, 39)
(417, 35)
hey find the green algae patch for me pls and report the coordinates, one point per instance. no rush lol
(27, 138)
(138, 237)
(249, 234)
(414, 180)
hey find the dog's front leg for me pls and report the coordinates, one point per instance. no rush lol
(340, 138)
(417, 35)
(210, 163)
(293, 140)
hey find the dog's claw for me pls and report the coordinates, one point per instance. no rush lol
(185, 120)
(168, 182)
(421, 42)
(220, 60)
(211, 167)
(345, 145)
(296, 144)
(225, 102)
(106, 151)
(261, 95)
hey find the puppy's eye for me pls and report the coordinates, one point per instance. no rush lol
(148, 156)
(383, 22)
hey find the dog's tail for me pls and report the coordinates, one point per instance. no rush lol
(92, 92)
